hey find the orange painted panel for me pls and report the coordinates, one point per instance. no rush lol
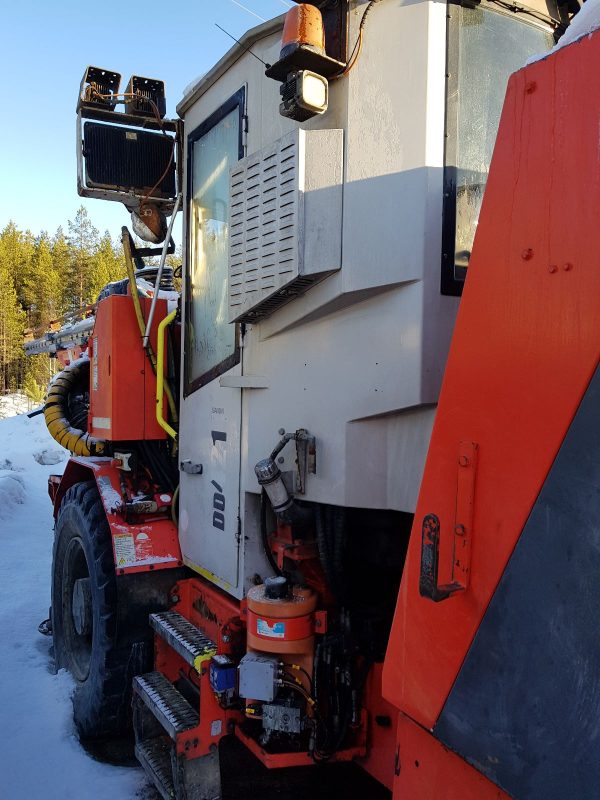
(426, 770)
(122, 384)
(525, 346)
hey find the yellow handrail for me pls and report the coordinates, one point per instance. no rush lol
(160, 374)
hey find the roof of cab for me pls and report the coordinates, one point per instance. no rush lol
(204, 82)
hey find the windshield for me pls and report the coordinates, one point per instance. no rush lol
(484, 48)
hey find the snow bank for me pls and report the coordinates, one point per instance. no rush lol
(42, 758)
(13, 404)
(585, 22)
(12, 492)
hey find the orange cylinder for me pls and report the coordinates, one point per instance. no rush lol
(303, 27)
(281, 625)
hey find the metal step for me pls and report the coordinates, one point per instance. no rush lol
(155, 757)
(169, 707)
(191, 644)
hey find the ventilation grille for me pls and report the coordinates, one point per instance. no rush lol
(268, 216)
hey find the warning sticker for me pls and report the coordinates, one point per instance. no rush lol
(124, 549)
(274, 631)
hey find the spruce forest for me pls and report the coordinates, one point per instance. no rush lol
(44, 278)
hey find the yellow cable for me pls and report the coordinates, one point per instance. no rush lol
(160, 374)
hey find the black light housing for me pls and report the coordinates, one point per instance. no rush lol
(145, 97)
(99, 88)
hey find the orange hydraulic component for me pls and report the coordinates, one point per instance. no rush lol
(282, 625)
(303, 27)
(122, 384)
(524, 350)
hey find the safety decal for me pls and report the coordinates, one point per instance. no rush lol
(124, 549)
(274, 631)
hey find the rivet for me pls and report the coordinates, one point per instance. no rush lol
(464, 461)
(552, 268)
(460, 530)
(527, 254)
(568, 266)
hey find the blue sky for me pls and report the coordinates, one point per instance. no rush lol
(44, 49)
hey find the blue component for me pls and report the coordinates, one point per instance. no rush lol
(222, 674)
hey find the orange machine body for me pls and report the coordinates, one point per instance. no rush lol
(524, 351)
(122, 384)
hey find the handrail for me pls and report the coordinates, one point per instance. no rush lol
(160, 374)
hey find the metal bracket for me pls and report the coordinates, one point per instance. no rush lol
(306, 458)
(190, 468)
(463, 525)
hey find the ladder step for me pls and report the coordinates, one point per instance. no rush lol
(169, 707)
(191, 644)
(155, 757)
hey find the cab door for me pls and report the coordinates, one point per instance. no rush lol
(211, 414)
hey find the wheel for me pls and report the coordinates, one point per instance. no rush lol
(84, 616)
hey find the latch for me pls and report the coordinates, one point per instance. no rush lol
(190, 468)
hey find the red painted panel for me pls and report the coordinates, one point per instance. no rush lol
(525, 347)
(150, 545)
(426, 770)
(122, 384)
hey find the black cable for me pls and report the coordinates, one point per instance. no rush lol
(264, 535)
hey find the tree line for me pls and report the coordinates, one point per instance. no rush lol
(44, 278)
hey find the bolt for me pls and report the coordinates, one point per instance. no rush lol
(280, 460)
(567, 267)
(281, 431)
(174, 598)
(552, 268)
(226, 638)
(464, 461)
(527, 254)
(460, 530)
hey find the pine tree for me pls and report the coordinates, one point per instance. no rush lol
(108, 264)
(12, 325)
(43, 288)
(82, 240)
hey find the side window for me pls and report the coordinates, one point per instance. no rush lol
(210, 340)
(485, 47)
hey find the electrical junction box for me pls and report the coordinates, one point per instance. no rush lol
(257, 676)
(122, 384)
(285, 221)
(222, 674)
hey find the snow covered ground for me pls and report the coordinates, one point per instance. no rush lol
(11, 404)
(40, 756)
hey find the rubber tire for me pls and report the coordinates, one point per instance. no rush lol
(102, 701)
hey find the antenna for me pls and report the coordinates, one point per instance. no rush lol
(246, 49)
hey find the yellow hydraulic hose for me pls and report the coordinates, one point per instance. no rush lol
(140, 319)
(160, 374)
(56, 415)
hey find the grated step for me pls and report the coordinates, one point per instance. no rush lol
(169, 707)
(191, 644)
(155, 757)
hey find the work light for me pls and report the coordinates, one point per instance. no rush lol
(303, 95)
